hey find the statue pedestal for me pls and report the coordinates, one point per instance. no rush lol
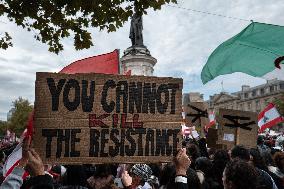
(138, 60)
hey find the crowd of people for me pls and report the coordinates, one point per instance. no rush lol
(194, 167)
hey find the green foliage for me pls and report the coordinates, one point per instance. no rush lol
(3, 127)
(53, 20)
(5, 41)
(20, 113)
(279, 102)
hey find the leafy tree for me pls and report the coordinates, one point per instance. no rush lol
(3, 127)
(53, 20)
(279, 102)
(20, 113)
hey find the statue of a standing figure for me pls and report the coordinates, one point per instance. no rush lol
(136, 28)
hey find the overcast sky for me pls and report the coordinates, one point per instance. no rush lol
(181, 41)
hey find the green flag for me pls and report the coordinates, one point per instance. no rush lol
(257, 50)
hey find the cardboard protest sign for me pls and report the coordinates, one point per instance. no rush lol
(237, 128)
(196, 115)
(212, 138)
(97, 118)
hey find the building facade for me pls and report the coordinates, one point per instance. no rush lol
(191, 97)
(253, 99)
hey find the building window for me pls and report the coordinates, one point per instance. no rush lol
(282, 86)
(257, 105)
(246, 95)
(253, 93)
(271, 88)
(249, 106)
(262, 91)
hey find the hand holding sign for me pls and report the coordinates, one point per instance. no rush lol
(126, 179)
(35, 165)
(25, 149)
(30, 159)
(182, 162)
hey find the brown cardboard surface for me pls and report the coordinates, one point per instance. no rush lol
(212, 138)
(66, 129)
(241, 136)
(200, 122)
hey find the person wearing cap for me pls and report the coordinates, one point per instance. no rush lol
(138, 177)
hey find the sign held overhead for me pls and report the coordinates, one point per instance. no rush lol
(237, 128)
(97, 118)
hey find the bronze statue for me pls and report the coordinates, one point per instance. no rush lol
(136, 30)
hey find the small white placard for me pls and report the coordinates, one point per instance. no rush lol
(189, 132)
(229, 137)
(195, 134)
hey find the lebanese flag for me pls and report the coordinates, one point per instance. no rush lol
(106, 63)
(269, 117)
(212, 121)
(14, 158)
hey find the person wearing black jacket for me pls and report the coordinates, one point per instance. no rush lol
(263, 178)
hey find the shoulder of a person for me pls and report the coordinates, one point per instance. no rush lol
(264, 177)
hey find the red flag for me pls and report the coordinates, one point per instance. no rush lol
(30, 125)
(106, 63)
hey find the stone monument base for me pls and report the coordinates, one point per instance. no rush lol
(138, 60)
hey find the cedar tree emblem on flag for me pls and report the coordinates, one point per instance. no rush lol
(269, 117)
